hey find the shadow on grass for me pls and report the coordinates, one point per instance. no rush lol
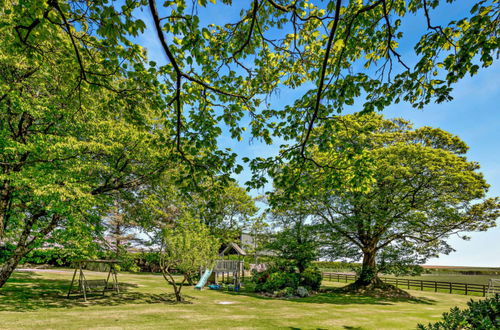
(293, 328)
(336, 297)
(28, 291)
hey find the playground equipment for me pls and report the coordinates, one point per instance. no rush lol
(84, 286)
(203, 279)
(228, 270)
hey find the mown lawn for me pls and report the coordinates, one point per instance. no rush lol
(38, 300)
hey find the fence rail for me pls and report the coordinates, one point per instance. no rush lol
(449, 287)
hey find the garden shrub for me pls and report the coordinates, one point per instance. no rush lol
(278, 281)
(302, 292)
(281, 279)
(482, 314)
(49, 256)
(311, 278)
(148, 261)
(286, 292)
(64, 257)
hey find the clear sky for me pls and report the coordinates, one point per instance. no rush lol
(473, 115)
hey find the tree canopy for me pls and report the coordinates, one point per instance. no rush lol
(66, 146)
(421, 190)
(216, 74)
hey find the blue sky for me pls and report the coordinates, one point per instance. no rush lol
(473, 115)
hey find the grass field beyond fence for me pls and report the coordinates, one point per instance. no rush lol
(465, 288)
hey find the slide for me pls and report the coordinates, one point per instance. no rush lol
(203, 279)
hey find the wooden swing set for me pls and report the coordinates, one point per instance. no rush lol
(85, 286)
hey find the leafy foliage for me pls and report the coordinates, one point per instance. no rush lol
(66, 144)
(311, 278)
(421, 189)
(50, 256)
(482, 314)
(187, 247)
(281, 278)
(296, 241)
(224, 207)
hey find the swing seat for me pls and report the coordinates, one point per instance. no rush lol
(94, 284)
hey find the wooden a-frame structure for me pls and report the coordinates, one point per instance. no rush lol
(84, 286)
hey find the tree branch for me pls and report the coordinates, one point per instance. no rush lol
(322, 77)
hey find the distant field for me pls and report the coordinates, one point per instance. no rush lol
(472, 285)
(441, 277)
(459, 274)
(462, 268)
(471, 279)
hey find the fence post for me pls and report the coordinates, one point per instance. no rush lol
(466, 289)
(408, 283)
(451, 290)
(421, 285)
(484, 290)
(435, 286)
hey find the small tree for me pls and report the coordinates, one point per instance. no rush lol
(297, 241)
(120, 231)
(187, 246)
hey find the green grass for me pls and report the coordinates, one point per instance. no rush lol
(457, 287)
(470, 279)
(37, 300)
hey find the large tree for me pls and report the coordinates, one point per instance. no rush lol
(421, 189)
(225, 208)
(66, 144)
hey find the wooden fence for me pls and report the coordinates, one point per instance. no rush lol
(449, 287)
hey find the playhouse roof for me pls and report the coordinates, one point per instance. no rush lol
(235, 247)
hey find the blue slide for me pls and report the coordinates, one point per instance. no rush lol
(203, 279)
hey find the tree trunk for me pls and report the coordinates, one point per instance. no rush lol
(171, 280)
(178, 296)
(368, 275)
(12, 263)
(24, 246)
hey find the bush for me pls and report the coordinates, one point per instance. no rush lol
(276, 277)
(482, 314)
(286, 292)
(148, 261)
(302, 292)
(311, 278)
(281, 276)
(278, 281)
(50, 256)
